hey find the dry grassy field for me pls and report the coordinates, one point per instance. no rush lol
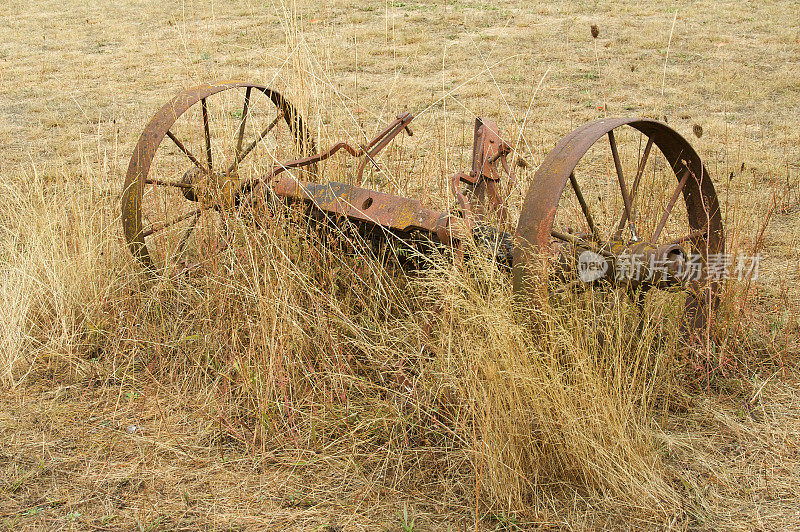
(288, 388)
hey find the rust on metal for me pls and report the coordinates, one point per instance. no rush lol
(481, 193)
(362, 205)
(159, 126)
(488, 149)
(535, 226)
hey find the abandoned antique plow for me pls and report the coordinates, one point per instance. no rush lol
(588, 220)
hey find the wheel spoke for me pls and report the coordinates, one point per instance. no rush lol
(164, 183)
(578, 242)
(186, 234)
(165, 217)
(703, 231)
(584, 206)
(207, 135)
(635, 187)
(253, 144)
(245, 110)
(155, 228)
(185, 150)
(670, 205)
(640, 169)
(625, 197)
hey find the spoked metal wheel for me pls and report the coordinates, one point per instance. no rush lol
(194, 161)
(626, 202)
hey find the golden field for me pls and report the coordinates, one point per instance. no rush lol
(272, 392)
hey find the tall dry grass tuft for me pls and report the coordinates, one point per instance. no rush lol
(58, 260)
(565, 400)
(292, 344)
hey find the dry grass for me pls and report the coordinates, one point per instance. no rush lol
(291, 387)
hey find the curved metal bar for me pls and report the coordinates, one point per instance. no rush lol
(306, 161)
(382, 140)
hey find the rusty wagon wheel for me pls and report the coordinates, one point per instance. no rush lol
(625, 201)
(192, 164)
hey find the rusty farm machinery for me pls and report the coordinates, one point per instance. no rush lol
(622, 201)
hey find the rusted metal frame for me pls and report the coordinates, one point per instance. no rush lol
(376, 144)
(471, 179)
(485, 178)
(635, 187)
(664, 217)
(363, 205)
(493, 159)
(305, 161)
(400, 123)
(492, 148)
(487, 148)
(477, 146)
(374, 213)
(392, 214)
(476, 186)
(494, 190)
(382, 140)
(626, 199)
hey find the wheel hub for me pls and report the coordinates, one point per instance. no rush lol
(629, 264)
(211, 188)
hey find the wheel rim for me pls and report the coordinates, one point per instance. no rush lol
(216, 133)
(557, 188)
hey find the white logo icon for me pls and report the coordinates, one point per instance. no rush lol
(591, 266)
